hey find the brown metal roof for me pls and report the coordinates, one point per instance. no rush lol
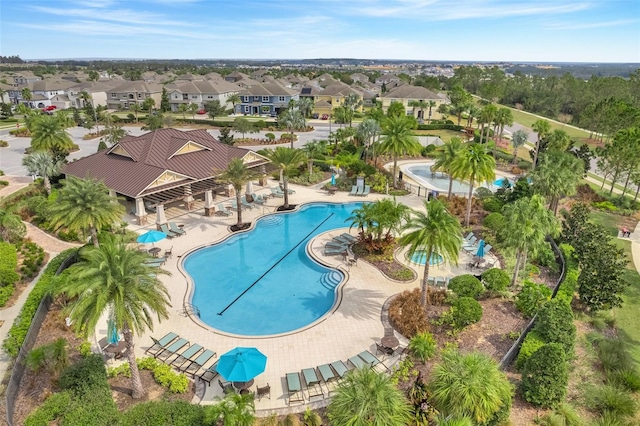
(151, 155)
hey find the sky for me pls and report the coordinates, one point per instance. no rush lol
(436, 30)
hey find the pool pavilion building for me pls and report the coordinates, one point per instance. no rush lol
(164, 166)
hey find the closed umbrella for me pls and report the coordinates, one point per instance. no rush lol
(480, 252)
(333, 179)
(112, 332)
(241, 364)
(152, 236)
(249, 188)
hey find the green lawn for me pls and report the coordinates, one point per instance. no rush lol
(445, 135)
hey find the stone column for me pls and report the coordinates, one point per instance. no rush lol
(160, 217)
(188, 197)
(141, 213)
(209, 208)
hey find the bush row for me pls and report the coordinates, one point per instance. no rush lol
(8, 274)
(162, 373)
(440, 126)
(21, 325)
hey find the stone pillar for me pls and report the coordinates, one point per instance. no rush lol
(209, 207)
(141, 213)
(188, 197)
(160, 217)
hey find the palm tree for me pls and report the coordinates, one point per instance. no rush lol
(504, 117)
(446, 157)
(474, 165)
(518, 139)
(351, 103)
(436, 232)
(487, 115)
(135, 107)
(314, 150)
(148, 104)
(237, 174)
(193, 108)
(85, 204)
(233, 410)
(26, 95)
(234, 99)
(286, 160)
(43, 163)
(421, 105)
(368, 130)
(183, 108)
(430, 104)
(472, 112)
(470, 385)
(527, 222)
(368, 398)
(113, 132)
(48, 134)
(305, 106)
(558, 174)
(399, 140)
(116, 281)
(542, 128)
(362, 218)
(291, 119)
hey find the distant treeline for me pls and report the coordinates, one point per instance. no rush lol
(11, 60)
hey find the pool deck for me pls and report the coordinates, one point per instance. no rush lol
(354, 326)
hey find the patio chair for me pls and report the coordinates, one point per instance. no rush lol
(348, 237)
(340, 368)
(172, 349)
(176, 229)
(431, 280)
(354, 190)
(234, 205)
(312, 382)
(294, 390)
(335, 245)
(168, 232)
(149, 207)
(275, 192)
(289, 190)
(471, 241)
(383, 350)
(329, 377)
(258, 199)
(371, 360)
(209, 374)
(261, 392)
(161, 343)
(222, 211)
(197, 363)
(226, 387)
(186, 355)
(245, 203)
(440, 282)
(365, 191)
(168, 252)
(360, 191)
(335, 251)
(468, 236)
(357, 362)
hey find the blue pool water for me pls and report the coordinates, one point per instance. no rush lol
(285, 289)
(440, 182)
(420, 258)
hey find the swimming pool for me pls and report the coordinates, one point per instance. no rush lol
(422, 174)
(262, 282)
(420, 258)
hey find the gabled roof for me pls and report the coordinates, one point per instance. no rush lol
(339, 89)
(137, 86)
(268, 89)
(407, 91)
(159, 160)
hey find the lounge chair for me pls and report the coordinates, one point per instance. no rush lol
(209, 374)
(340, 368)
(335, 245)
(186, 356)
(487, 248)
(470, 242)
(161, 344)
(371, 359)
(357, 362)
(289, 190)
(312, 382)
(354, 190)
(258, 199)
(168, 232)
(360, 191)
(176, 229)
(468, 236)
(149, 207)
(365, 191)
(221, 210)
(261, 392)
(275, 192)
(197, 363)
(431, 280)
(172, 349)
(348, 237)
(440, 283)
(294, 389)
(329, 377)
(335, 251)
(234, 205)
(343, 240)
(246, 204)
(156, 263)
(226, 387)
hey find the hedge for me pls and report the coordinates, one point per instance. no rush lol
(531, 343)
(545, 376)
(440, 127)
(466, 286)
(177, 413)
(8, 264)
(217, 123)
(21, 325)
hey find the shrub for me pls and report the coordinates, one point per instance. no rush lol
(466, 286)
(554, 324)
(545, 376)
(531, 343)
(607, 398)
(627, 379)
(176, 413)
(8, 264)
(545, 257)
(5, 294)
(495, 280)
(494, 222)
(85, 376)
(3, 143)
(563, 415)
(532, 297)
(270, 136)
(492, 204)
(423, 346)
(55, 406)
(567, 289)
(164, 375)
(464, 311)
(407, 314)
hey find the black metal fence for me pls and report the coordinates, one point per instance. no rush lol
(423, 192)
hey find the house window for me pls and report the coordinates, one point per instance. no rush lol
(114, 95)
(209, 96)
(139, 95)
(265, 99)
(265, 109)
(194, 96)
(245, 99)
(281, 99)
(256, 98)
(246, 108)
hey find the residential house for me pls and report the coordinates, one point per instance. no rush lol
(200, 92)
(334, 96)
(268, 98)
(43, 90)
(406, 94)
(387, 79)
(97, 91)
(130, 92)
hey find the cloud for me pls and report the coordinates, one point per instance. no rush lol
(125, 16)
(589, 25)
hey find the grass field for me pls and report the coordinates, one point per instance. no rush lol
(445, 135)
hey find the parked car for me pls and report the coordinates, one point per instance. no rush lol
(50, 108)
(325, 116)
(201, 112)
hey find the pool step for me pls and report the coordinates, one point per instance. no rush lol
(272, 220)
(330, 280)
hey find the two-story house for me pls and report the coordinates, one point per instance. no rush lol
(409, 96)
(43, 91)
(97, 91)
(269, 98)
(201, 92)
(131, 92)
(333, 96)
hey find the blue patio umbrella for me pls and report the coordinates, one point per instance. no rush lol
(480, 252)
(333, 179)
(112, 332)
(152, 236)
(241, 364)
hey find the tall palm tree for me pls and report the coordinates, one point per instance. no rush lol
(291, 119)
(48, 134)
(435, 231)
(234, 99)
(430, 104)
(85, 205)
(43, 163)
(542, 128)
(237, 174)
(399, 140)
(193, 108)
(351, 103)
(368, 130)
(113, 132)
(116, 281)
(305, 106)
(315, 150)
(527, 222)
(487, 115)
(474, 165)
(504, 117)
(26, 95)
(470, 385)
(421, 105)
(558, 174)
(472, 112)
(368, 398)
(183, 108)
(286, 160)
(518, 139)
(446, 157)
(135, 107)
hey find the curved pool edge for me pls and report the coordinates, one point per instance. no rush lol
(188, 297)
(406, 166)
